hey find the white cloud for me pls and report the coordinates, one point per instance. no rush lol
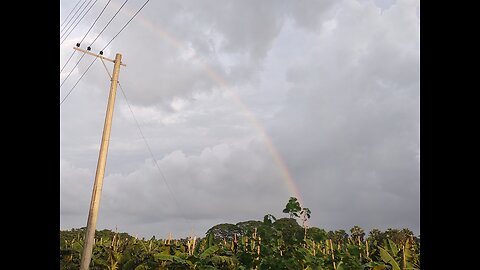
(334, 83)
(193, 188)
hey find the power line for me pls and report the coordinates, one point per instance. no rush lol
(70, 13)
(141, 133)
(147, 144)
(95, 21)
(78, 44)
(61, 30)
(126, 24)
(78, 80)
(101, 52)
(76, 20)
(79, 21)
(72, 69)
(109, 22)
(69, 20)
(68, 28)
(88, 48)
(67, 61)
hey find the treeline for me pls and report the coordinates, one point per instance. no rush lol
(249, 245)
(269, 244)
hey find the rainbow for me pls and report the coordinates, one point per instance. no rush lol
(218, 79)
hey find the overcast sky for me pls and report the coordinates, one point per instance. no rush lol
(241, 103)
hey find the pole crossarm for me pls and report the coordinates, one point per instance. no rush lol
(97, 55)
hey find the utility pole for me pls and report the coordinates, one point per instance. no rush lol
(102, 159)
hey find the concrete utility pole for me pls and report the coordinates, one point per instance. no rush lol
(102, 159)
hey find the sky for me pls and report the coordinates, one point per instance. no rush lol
(228, 108)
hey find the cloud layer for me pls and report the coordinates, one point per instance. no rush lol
(334, 85)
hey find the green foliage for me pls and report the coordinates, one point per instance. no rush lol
(291, 232)
(210, 239)
(223, 231)
(248, 227)
(305, 213)
(316, 234)
(293, 207)
(269, 219)
(357, 233)
(338, 236)
(275, 244)
(388, 258)
(209, 252)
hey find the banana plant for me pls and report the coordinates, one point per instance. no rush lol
(389, 258)
(398, 258)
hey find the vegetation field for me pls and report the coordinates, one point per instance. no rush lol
(269, 244)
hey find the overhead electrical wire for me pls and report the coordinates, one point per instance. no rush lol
(61, 36)
(121, 88)
(101, 52)
(148, 146)
(146, 143)
(78, 44)
(70, 13)
(109, 22)
(69, 20)
(61, 30)
(95, 22)
(85, 72)
(89, 47)
(67, 61)
(72, 69)
(126, 24)
(78, 22)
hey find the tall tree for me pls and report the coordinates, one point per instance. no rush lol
(292, 208)
(305, 215)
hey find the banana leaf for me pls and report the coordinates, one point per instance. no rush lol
(387, 258)
(209, 251)
(393, 247)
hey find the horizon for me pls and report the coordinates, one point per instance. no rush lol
(224, 111)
